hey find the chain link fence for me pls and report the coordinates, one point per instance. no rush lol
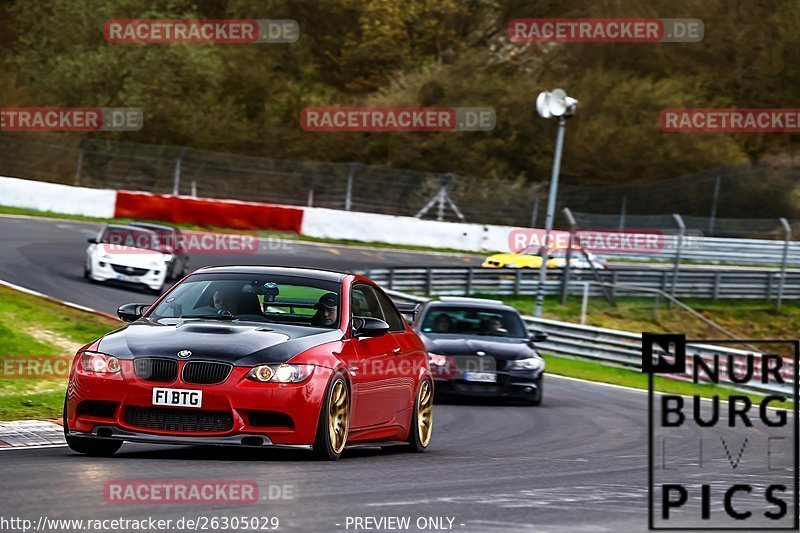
(706, 200)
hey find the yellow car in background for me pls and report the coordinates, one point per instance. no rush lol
(531, 257)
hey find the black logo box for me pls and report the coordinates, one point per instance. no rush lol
(675, 345)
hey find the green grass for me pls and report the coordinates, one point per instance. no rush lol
(617, 375)
(33, 327)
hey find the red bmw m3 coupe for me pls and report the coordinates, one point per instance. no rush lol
(258, 357)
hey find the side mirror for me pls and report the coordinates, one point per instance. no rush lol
(367, 326)
(538, 336)
(92, 240)
(131, 312)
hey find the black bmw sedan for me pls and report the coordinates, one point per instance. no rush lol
(481, 347)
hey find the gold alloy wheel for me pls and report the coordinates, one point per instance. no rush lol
(338, 416)
(425, 413)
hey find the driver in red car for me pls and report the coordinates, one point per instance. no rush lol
(327, 310)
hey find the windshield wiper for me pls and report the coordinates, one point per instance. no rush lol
(212, 317)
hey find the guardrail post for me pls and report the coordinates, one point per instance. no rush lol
(348, 195)
(176, 177)
(787, 229)
(769, 285)
(469, 281)
(390, 281)
(567, 266)
(681, 233)
(717, 280)
(584, 301)
(79, 163)
(428, 281)
(614, 284)
(517, 281)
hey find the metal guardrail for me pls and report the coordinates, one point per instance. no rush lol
(720, 250)
(690, 283)
(624, 348)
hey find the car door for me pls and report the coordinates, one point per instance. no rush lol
(407, 357)
(376, 401)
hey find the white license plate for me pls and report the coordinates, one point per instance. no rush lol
(178, 397)
(122, 277)
(483, 377)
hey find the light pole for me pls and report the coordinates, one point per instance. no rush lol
(552, 104)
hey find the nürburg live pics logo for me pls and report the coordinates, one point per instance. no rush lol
(726, 461)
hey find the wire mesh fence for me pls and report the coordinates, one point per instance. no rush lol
(709, 201)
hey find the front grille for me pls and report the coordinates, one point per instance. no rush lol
(205, 372)
(152, 369)
(129, 271)
(178, 419)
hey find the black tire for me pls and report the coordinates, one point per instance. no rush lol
(89, 446)
(537, 400)
(415, 442)
(323, 448)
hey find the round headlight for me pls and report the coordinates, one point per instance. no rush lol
(285, 373)
(262, 373)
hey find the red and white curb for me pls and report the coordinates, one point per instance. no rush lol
(31, 434)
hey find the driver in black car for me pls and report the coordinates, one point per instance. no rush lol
(327, 310)
(223, 301)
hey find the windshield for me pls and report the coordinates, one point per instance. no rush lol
(255, 298)
(131, 237)
(474, 321)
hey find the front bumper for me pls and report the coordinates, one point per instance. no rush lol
(280, 414)
(514, 385)
(243, 439)
(154, 278)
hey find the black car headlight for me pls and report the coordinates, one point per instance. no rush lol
(529, 363)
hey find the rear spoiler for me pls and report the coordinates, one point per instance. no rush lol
(408, 309)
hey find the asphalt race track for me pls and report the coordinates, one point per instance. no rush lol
(577, 463)
(47, 256)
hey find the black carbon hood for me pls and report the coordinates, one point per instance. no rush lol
(241, 344)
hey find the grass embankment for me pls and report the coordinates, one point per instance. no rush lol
(35, 328)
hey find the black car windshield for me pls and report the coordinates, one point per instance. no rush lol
(131, 237)
(252, 297)
(474, 321)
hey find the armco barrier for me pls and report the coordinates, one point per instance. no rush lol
(350, 225)
(692, 282)
(208, 212)
(616, 347)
